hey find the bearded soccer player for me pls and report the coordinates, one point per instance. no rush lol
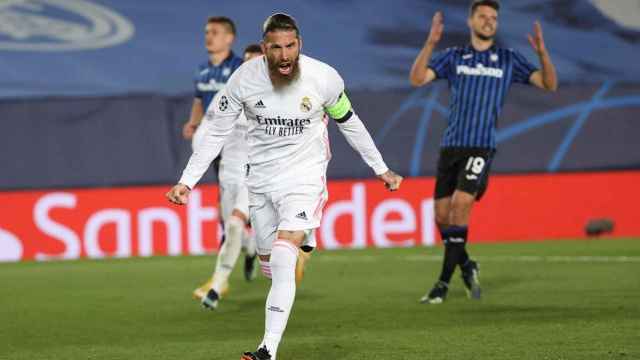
(288, 99)
(479, 77)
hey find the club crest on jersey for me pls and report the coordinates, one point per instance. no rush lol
(494, 57)
(305, 105)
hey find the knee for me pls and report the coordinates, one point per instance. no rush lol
(240, 215)
(461, 205)
(235, 225)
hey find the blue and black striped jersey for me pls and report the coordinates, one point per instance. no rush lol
(478, 83)
(211, 78)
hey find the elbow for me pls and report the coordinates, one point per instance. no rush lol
(416, 81)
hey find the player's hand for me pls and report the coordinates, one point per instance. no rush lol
(537, 39)
(391, 180)
(437, 27)
(188, 130)
(178, 194)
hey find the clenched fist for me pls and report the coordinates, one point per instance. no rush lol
(391, 180)
(178, 194)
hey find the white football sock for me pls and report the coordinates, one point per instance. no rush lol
(229, 252)
(282, 293)
(265, 266)
(249, 242)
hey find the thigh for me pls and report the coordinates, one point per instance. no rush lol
(227, 200)
(447, 174)
(241, 202)
(300, 207)
(474, 171)
(264, 221)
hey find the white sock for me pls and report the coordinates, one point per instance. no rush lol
(249, 242)
(282, 293)
(265, 266)
(229, 252)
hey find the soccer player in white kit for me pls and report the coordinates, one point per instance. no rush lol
(288, 99)
(234, 205)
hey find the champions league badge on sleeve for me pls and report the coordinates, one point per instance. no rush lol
(223, 104)
(60, 25)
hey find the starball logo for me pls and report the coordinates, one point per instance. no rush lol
(60, 25)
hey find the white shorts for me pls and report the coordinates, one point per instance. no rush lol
(233, 196)
(298, 208)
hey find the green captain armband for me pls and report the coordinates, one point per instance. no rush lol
(341, 110)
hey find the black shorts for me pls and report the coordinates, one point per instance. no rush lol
(464, 169)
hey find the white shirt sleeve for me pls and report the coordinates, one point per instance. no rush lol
(219, 121)
(351, 126)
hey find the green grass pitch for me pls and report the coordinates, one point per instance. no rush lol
(547, 300)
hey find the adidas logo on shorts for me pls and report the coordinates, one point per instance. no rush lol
(302, 215)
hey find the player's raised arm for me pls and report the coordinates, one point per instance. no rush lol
(338, 107)
(219, 121)
(421, 74)
(546, 78)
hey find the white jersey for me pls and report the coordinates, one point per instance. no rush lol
(233, 165)
(234, 155)
(287, 135)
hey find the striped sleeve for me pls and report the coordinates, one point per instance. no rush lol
(441, 63)
(196, 80)
(522, 68)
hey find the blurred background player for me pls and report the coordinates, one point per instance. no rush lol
(288, 98)
(210, 78)
(234, 206)
(479, 77)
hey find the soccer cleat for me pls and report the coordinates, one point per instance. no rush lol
(202, 291)
(211, 300)
(470, 275)
(260, 354)
(250, 267)
(300, 264)
(437, 294)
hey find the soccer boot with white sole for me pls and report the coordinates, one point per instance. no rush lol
(210, 301)
(437, 295)
(260, 354)
(470, 277)
(200, 292)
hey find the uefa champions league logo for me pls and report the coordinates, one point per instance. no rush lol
(60, 25)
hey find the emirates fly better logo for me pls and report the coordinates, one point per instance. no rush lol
(60, 25)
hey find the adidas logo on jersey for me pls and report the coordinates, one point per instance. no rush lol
(259, 105)
(302, 215)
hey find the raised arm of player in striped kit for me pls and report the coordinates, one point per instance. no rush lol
(219, 120)
(339, 109)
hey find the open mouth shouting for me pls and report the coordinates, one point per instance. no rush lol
(285, 67)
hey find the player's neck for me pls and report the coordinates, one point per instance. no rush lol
(218, 57)
(480, 44)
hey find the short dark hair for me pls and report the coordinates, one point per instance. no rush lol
(280, 21)
(228, 23)
(253, 49)
(490, 3)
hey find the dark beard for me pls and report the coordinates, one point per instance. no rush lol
(279, 80)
